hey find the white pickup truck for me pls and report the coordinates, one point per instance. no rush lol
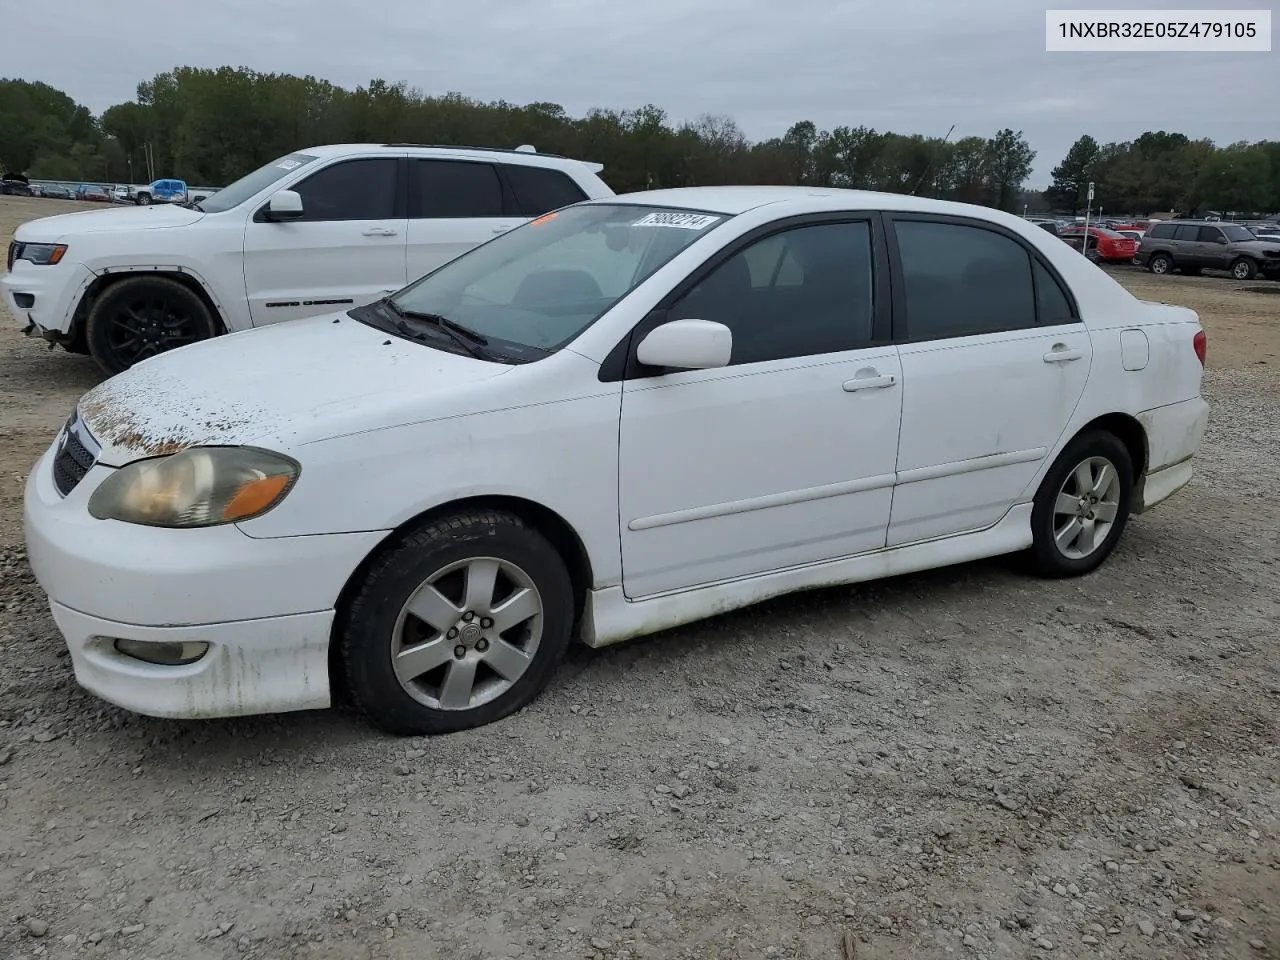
(324, 228)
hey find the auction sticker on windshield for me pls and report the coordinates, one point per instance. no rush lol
(681, 221)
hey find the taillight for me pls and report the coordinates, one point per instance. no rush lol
(1201, 343)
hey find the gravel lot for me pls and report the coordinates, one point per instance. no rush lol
(965, 763)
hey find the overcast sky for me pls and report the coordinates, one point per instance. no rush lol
(912, 66)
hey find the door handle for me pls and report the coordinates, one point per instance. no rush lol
(1061, 353)
(379, 232)
(869, 383)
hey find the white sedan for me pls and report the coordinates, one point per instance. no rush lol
(626, 415)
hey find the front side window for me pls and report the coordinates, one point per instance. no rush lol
(962, 281)
(254, 183)
(444, 189)
(1237, 233)
(540, 285)
(351, 190)
(802, 292)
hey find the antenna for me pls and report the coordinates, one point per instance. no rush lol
(930, 166)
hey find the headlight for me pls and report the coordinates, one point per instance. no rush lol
(41, 254)
(199, 487)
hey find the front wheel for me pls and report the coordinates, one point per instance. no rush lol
(1083, 506)
(144, 199)
(459, 624)
(1244, 269)
(140, 317)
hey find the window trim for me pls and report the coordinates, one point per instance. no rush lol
(399, 205)
(621, 364)
(901, 327)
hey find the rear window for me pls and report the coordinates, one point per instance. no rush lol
(539, 190)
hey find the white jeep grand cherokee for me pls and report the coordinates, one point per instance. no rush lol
(326, 228)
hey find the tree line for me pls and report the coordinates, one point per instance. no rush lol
(210, 126)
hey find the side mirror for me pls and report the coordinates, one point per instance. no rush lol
(687, 345)
(284, 205)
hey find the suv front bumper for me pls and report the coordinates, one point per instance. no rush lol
(45, 296)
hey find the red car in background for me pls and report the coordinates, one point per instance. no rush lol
(1105, 244)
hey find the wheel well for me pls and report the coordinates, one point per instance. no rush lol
(1129, 432)
(76, 337)
(547, 522)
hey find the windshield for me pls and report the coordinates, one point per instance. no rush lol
(252, 183)
(545, 282)
(1235, 234)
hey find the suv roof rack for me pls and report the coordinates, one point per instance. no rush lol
(523, 148)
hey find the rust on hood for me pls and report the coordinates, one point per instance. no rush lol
(152, 414)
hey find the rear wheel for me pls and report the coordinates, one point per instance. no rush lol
(1083, 506)
(141, 317)
(1160, 264)
(144, 199)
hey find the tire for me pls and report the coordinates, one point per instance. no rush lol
(144, 199)
(1160, 264)
(144, 316)
(1092, 254)
(1244, 268)
(431, 570)
(1055, 551)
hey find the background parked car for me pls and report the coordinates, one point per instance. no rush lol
(1105, 244)
(56, 191)
(15, 188)
(92, 193)
(1192, 245)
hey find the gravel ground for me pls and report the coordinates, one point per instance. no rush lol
(965, 763)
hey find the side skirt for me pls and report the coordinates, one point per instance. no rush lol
(610, 617)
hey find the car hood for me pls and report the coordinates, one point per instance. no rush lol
(283, 386)
(50, 229)
(1269, 247)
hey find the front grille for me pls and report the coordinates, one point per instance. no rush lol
(72, 461)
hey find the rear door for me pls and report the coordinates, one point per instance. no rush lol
(454, 205)
(347, 249)
(994, 360)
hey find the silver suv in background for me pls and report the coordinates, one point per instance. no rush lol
(1192, 245)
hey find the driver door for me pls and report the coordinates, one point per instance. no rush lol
(785, 456)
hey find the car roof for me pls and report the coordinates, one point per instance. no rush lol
(733, 200)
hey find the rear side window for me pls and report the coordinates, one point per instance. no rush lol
(451, 189)
(351, 190)
(961, 280)
(539, 190)
(1162, 231)
(1187, 232)
(1052, 303)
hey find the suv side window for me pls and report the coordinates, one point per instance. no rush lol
(1187, 232)
(1162, 231)
(539, 190)
(801, 292)
(351, 190)
(961, 280)
(444, 189)
(1209, 235)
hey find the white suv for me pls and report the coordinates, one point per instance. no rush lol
(324, 228)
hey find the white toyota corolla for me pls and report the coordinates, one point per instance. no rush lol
(626, 415)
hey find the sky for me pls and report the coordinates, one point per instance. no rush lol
(910, 66)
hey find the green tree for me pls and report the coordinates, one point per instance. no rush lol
(1009, 159)
(1071, 177)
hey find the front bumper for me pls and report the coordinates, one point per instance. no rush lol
(265, 606)
(49, 295)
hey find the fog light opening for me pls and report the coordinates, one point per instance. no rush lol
(164, 654)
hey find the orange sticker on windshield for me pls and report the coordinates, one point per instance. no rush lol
(545, 218)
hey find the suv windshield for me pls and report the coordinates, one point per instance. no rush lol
(543, 283)
(1236, 233)
(252, 183)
